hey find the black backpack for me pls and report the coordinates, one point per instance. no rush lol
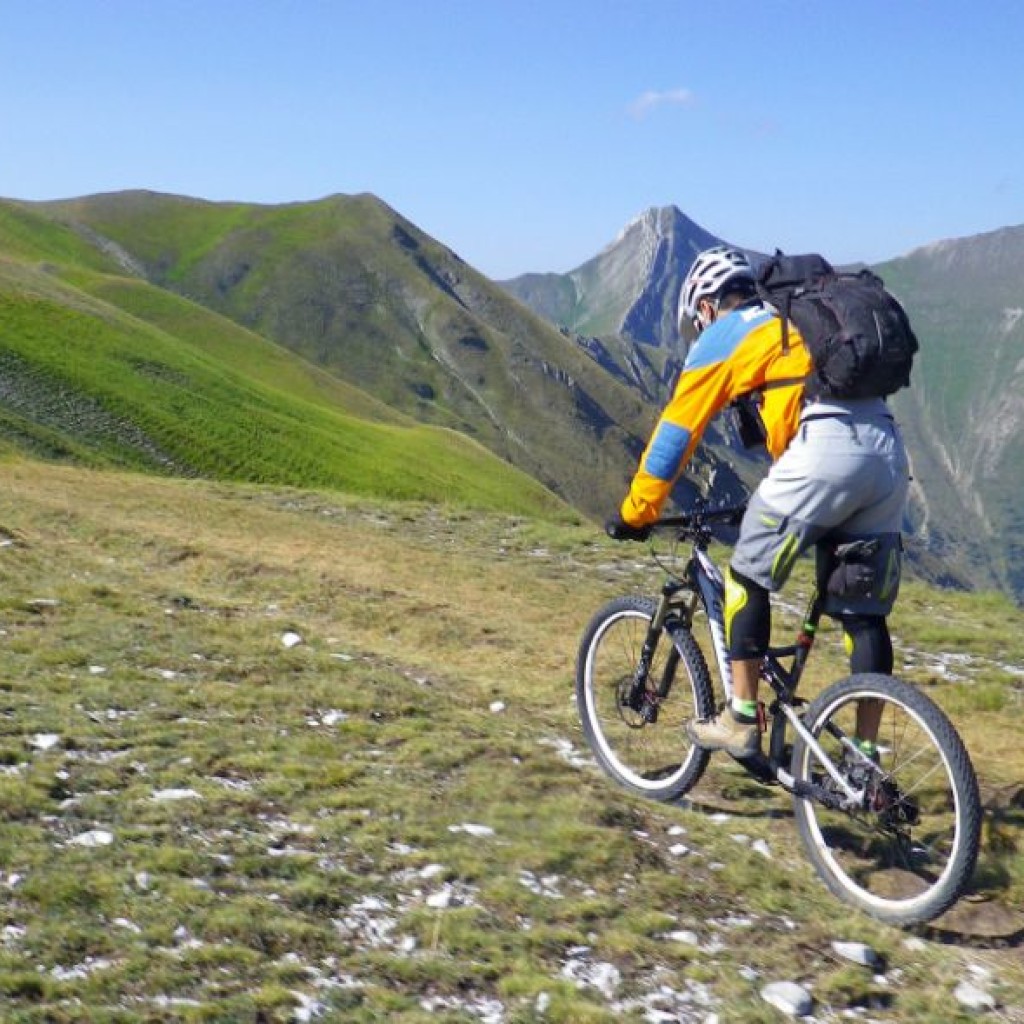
(858, 334)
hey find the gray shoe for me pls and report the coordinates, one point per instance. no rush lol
(723, 732)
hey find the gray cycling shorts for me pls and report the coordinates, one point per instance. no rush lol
(842, 478)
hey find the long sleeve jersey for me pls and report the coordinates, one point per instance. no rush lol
(738, 353)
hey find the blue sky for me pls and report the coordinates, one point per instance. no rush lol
(526, 134)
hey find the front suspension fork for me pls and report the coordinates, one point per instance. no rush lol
(639, 689)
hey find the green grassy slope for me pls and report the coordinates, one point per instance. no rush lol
(396, 818)
(355, 288)
(107, 369)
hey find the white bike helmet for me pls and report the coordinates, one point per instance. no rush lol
(710, 271)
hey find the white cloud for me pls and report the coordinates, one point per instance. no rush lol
(645, 103)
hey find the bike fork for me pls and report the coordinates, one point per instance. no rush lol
(636, 698)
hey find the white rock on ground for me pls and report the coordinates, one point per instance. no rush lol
(94, 837)
(788, 997)
(974, 998)
(44, 741)
(856, 952)
(480, 831)
(161, 795)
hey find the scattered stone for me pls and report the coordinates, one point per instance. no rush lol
(687, 938)
(291, 639)
(605, 977)
(679, 849)
(171, 795)
(96, 670)
(44, 741)
(480, 831)
(546, 886)
(309, 1009)
(93, 838)
(497, 707)
(761, 846)
(568, 753)
(974, 998)
(442, 899)
(80, 971)
(790, 998)
(857, 953)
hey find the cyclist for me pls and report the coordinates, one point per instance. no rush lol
(839, 474)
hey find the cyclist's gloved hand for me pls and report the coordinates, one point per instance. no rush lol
(618, 530)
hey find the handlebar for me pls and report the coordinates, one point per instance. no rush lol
(698, 523)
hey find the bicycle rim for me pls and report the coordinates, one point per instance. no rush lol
(908, 851)
(653, 758)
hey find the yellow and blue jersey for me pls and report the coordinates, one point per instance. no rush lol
(738, 353)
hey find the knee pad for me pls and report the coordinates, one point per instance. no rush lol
(867, 642)
(748, 617)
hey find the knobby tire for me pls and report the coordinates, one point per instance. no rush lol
(907, 855)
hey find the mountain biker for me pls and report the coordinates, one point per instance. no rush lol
(839, 474)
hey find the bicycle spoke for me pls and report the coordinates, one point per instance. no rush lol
(905, 852)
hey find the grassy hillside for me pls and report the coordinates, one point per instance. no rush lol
(393, 818)
(106, 369)
(358, 290)
(966, 407)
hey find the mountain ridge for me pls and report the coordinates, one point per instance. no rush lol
(359, 292)
(354, 287)
(963, 518)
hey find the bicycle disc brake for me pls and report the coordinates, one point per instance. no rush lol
(636, 698)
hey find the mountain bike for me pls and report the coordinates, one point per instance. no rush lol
(895, 834)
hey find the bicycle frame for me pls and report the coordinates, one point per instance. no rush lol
(895, 831)
(703, 585)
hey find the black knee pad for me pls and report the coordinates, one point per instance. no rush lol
(748, 617)
(868, 643)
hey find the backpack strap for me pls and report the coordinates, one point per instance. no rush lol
(785, 323)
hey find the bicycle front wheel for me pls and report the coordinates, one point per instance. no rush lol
(906, 851)
(636, 730)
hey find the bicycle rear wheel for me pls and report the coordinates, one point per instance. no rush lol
(636, 733)
(907, 851)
